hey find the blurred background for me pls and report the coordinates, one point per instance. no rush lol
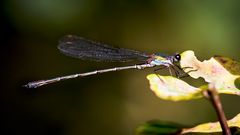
(112, 103)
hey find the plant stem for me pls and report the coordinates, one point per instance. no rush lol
(213, 96)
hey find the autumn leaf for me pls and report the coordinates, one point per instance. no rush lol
(156, 127)
(213, 127)
(221, 72)
(171, 88)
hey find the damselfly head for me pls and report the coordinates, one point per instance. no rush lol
(177, 57)
(174, 58)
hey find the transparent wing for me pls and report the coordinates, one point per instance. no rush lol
(84, 49)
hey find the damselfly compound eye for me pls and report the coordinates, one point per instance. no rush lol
(177, 57)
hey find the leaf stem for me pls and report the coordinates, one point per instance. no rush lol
(213, 96)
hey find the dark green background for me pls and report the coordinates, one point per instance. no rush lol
(111, 103)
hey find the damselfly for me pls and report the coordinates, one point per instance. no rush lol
(84, 49)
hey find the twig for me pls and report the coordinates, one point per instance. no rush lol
(213, 96)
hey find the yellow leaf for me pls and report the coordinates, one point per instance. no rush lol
(213, 127)
(171, 88)
(213, 72)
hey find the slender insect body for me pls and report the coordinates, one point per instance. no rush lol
(81, 48)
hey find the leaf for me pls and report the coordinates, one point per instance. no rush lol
(231, 65)
(158, 128)
(171, 88)
(221, 72)
(214, 127)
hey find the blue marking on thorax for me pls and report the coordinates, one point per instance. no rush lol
(160, 62)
